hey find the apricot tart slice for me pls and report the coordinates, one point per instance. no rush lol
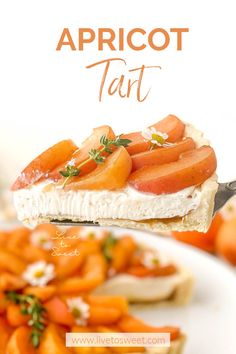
(160, 179)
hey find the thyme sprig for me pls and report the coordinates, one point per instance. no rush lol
(30, 305)
(96, 155)
(108, 245)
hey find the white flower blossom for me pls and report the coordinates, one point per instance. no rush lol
(71, 162)
(41, 239)
(79, 310)
(91, 232)
(155, 137)
(150, 259)
(39, 273)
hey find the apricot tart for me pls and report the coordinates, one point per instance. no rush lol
(45, 293)
(160, 179)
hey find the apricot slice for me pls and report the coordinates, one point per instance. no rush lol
(44, 163)
(19, 342)
(58, 312)
(3, 304)
(10, 281)
(226, 241)
(99, 315)
(141, 271)
(193, 168)
(5, 333)
(53, 341)
(171, 125)
(42, 293)
(162, 155)
(131, 324)
(11, 263)
(112, 174)
(15, 317)
(117, 302)
(79, 156)
(122, 253)
(205, 241)
(93, 274)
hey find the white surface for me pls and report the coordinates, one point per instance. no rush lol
(210, 319)
(47, 95)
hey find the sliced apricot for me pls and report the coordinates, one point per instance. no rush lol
(131, 324)
(205, 241)
(3, 238)
(67, 266)
(226, 241)
(11, 263)
(44, 163)
(171, 125)
(193, 168)
(141, 271)
(112, 174)
(93, 274)
(162, 155)
(42, 293)
(99, 315)
(3, 303)
(117, 302)
(5, 333)
(10, 281)
(121, 253)
(58, 312)
(18, 237)
(53, 341)
(19, 342)
(79, 156)
(15, 317)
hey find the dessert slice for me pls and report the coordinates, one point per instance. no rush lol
(160, 179)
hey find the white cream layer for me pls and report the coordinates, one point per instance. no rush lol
(34, 202)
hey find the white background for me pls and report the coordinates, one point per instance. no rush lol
(47, 95)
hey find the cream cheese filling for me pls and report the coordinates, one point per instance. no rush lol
(144, 289)
(36, 202)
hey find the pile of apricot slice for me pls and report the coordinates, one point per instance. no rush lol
(75, 276)
(159, 170)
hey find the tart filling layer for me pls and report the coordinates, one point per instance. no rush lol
(34, 202)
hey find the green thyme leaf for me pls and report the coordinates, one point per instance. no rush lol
(108, 245)
(64, 173)
(30, 305)
(96, 156)
(121, 142)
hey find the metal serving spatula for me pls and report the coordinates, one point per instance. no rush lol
(224, 193)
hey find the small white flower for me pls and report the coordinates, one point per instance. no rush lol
(41, 239)
(39, 273)
(91, 232)
(79, 310)
(156, 137)
(150, 259)
(71, 162)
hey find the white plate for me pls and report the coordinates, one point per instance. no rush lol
(210, 319)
